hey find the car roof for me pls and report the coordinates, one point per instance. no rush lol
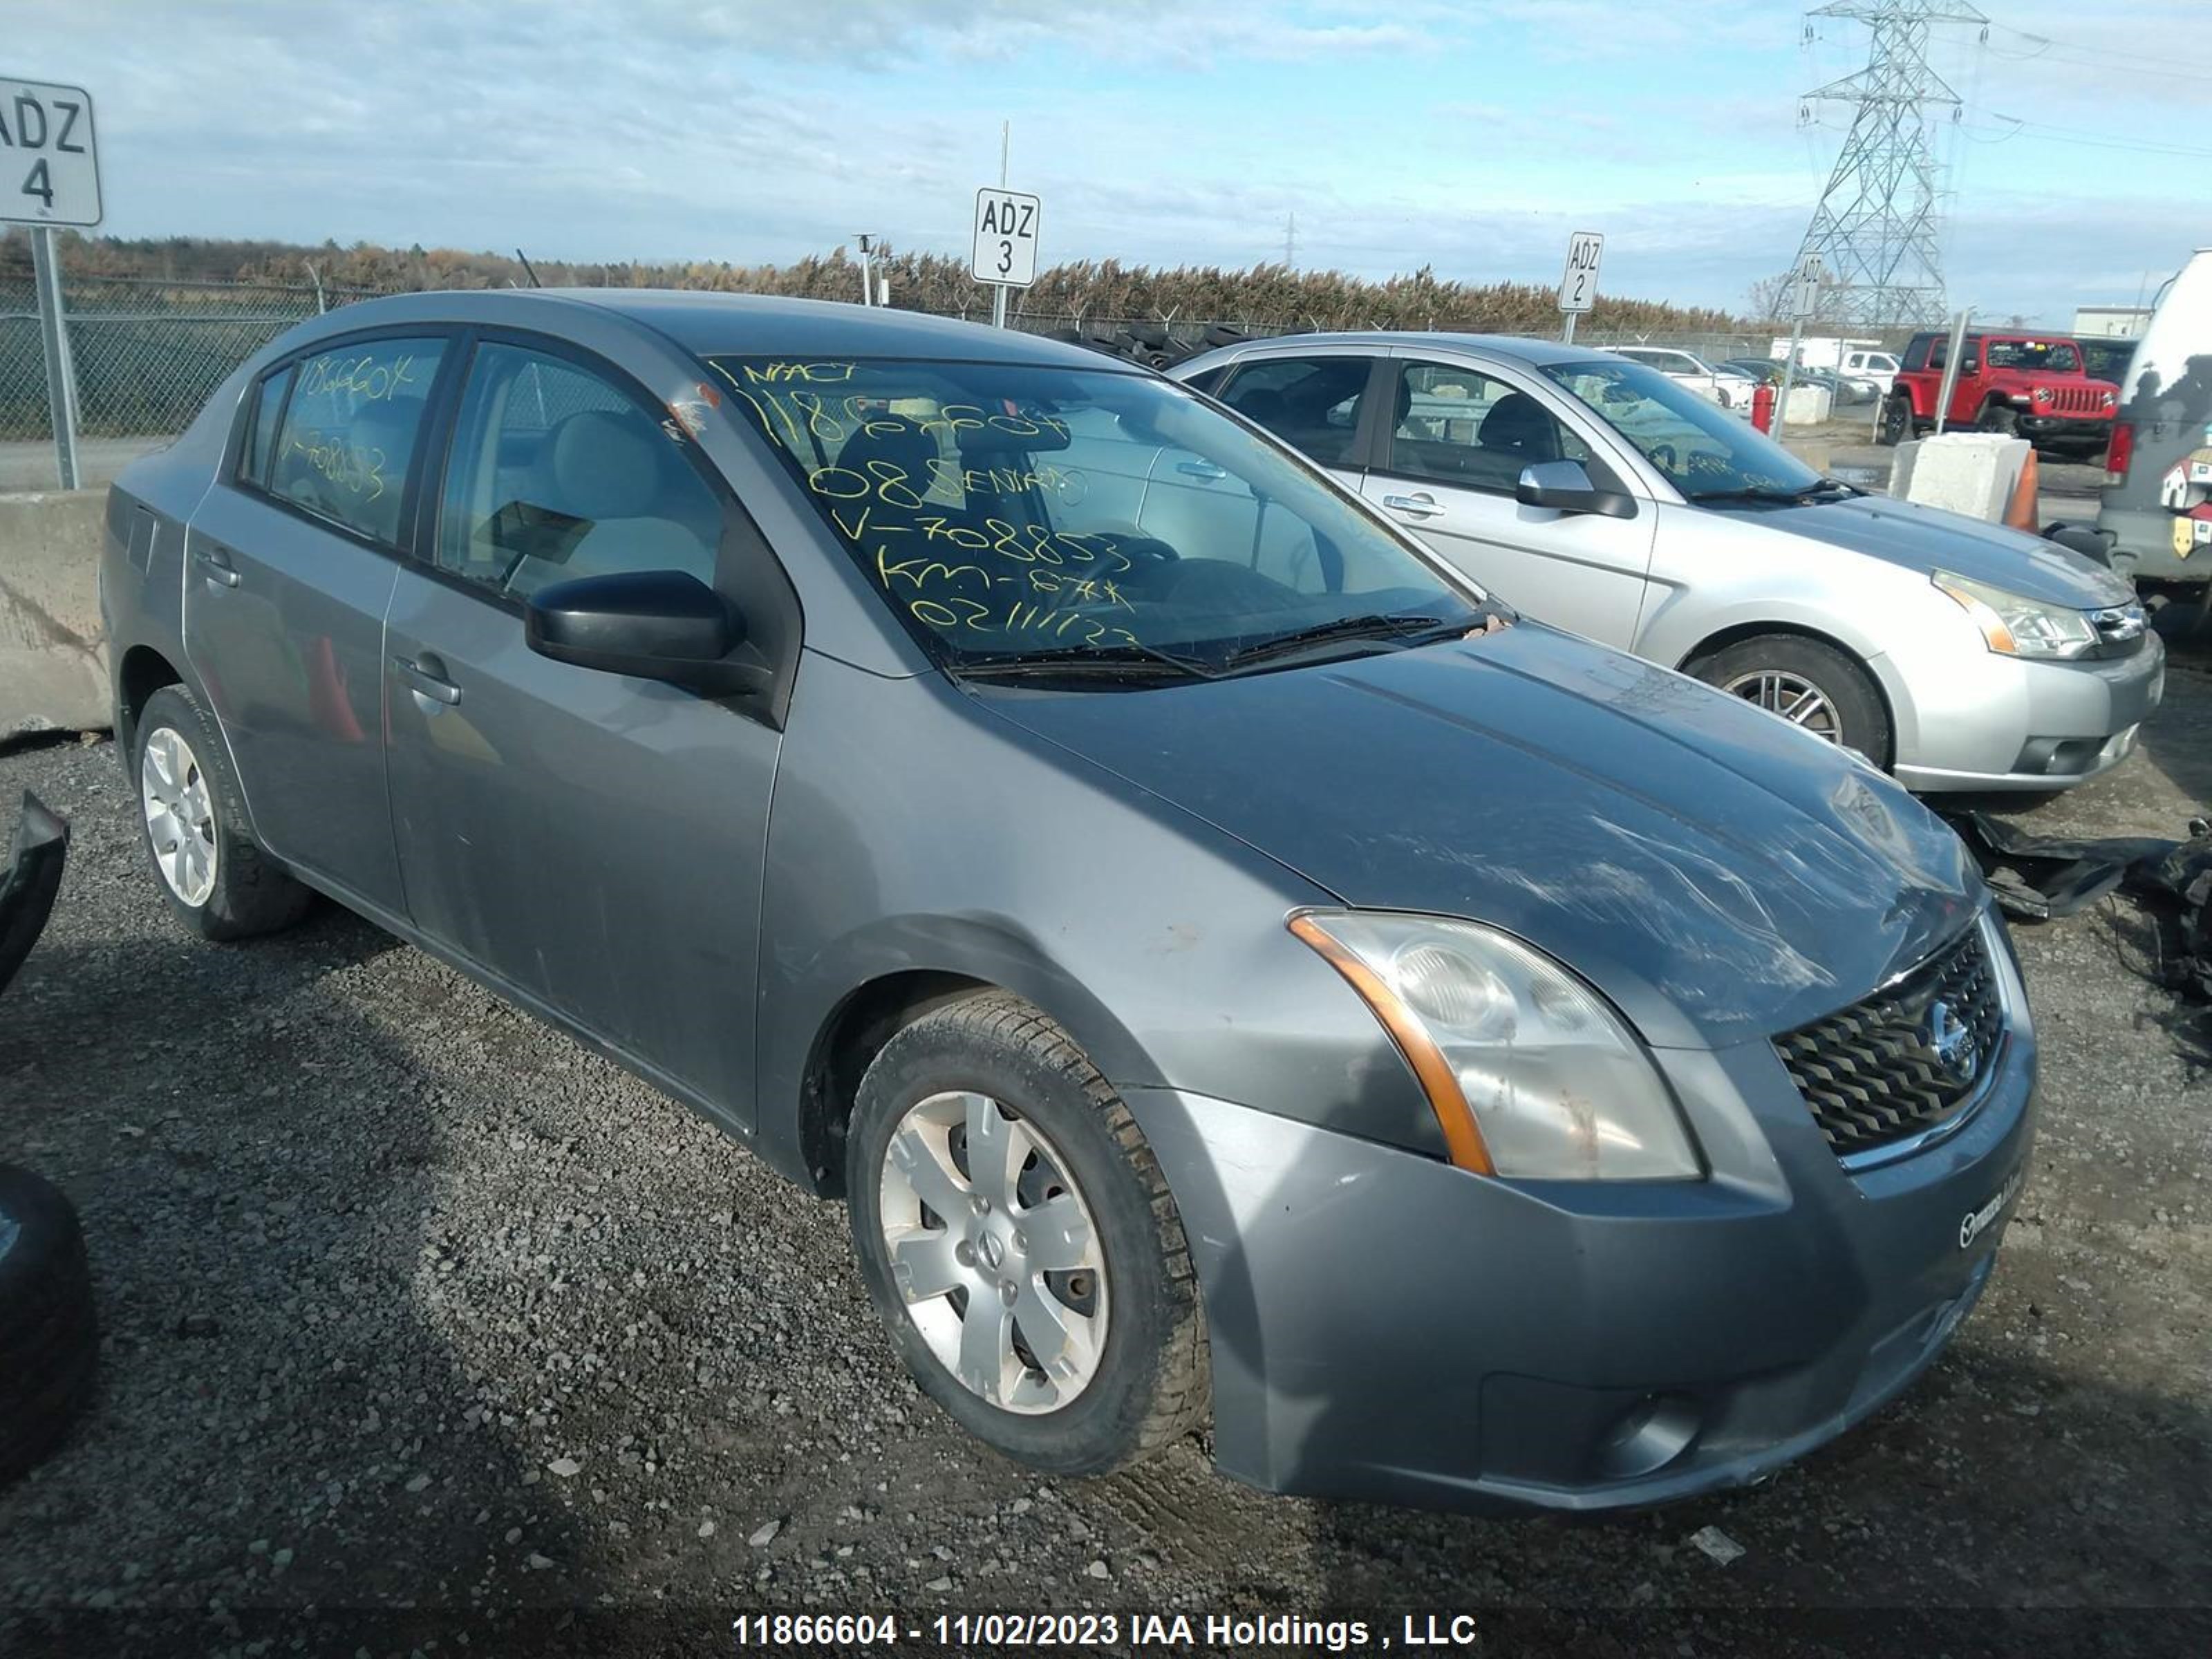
(734, 325)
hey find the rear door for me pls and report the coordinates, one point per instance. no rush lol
(1319, 404)
(594, 841)
(289, 566)
(1448, 469)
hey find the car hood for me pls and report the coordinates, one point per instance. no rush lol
(1718, 873)
(1928, 538)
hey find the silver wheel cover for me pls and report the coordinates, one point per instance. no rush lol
(1792, 697)
(180, 815)
(994, 1252)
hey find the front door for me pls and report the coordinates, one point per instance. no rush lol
(594, 840)
(1448, 473)
(289, 565)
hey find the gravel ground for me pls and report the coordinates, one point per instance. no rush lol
(412, 1305)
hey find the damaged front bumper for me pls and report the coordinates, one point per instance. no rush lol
(1385, 1327)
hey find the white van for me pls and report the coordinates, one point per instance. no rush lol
(2157, 480)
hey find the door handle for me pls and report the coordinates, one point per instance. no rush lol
(428, 676)
(215, 564)
(1205, 470)
(1421, 505)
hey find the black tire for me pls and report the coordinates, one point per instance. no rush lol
(1896, 421)
(2003, 419)
(49, 1336)
(251, 895)
(1863, 717)
(1150, 1387)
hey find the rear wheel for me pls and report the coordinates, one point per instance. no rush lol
(217, 881)
(1018, 1238)
(1896, 421)
(1816, 687)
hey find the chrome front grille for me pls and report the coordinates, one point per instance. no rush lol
(1907, 1058)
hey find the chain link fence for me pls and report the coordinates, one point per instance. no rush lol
(149, 352)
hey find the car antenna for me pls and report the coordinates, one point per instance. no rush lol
(528, 267)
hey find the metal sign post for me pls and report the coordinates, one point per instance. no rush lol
(1804, 298)
(1951, 367)
(49, 176)
(61, 372)
(1578, 286)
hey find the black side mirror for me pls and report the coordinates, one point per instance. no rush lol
(1565, 487)
(656, 625)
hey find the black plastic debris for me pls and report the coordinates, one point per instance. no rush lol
(28, 886)
(2040, 878)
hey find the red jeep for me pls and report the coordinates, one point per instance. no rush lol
(2024, 385)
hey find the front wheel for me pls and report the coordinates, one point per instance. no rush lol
(1816, 687)
(1017, 1237)
(2001, 419)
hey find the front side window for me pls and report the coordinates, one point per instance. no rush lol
(1705, 451)
(1457, 427)
(1020, 515)
(350, 430)
(1312, 404)
(558, 472)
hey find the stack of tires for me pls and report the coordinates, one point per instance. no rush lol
(1149, 343)
(49, 1337)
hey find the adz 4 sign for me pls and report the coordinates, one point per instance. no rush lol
(49, 168)
(1006, 238)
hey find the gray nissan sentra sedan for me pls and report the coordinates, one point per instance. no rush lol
(1238, 974)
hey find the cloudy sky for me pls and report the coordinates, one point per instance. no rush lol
(1471, 135)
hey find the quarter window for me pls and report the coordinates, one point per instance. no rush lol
(261, 435)
(1459, 428)
(1312, 404)
(348, 433)
(558, 472)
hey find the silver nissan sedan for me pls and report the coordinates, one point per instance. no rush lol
(1227, 965)
(1604, 497)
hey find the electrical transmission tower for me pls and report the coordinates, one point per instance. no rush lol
(1875, 227)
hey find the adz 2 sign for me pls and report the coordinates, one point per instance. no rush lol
(49, 168)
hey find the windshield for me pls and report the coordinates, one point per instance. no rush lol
(2045, 357)
(1704, 450)
(1022, 514)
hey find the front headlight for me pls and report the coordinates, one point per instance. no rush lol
(2020, 627)
(1529, 1073)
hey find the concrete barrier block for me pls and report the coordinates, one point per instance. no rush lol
(1969, 473)
(53, 658)
(1808, 407)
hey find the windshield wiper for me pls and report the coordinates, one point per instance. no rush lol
(1126, 660)
(1769, 493)
(1399, 627)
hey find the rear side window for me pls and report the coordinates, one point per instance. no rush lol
(261, 430)
(558, 472)
(1312, 404)
(350, 432)
(1916, 354)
